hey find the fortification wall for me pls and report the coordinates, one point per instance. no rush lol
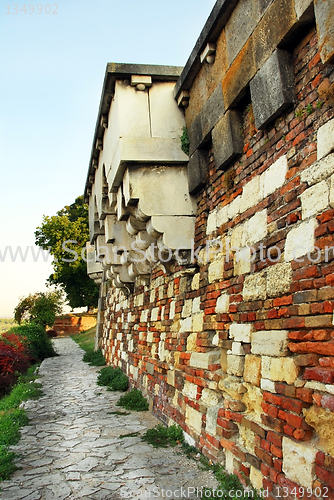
(237, 345)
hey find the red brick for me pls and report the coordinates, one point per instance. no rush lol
(320, 374)
(322, 348)
(302, 435)
(320, 458)
(283, 301)
(265, 445)
(325, 476)
(304, 395)
(276, 451)
(264, 456)
(274, 438)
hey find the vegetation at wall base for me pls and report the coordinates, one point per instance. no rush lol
(227, 483)
(113, 378)
(12, 418)
(162, 437)
(94, 358)
(133, 400)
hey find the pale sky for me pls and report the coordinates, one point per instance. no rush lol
(51, 74)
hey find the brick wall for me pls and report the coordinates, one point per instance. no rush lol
(241, 354)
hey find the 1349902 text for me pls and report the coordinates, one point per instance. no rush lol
(32, 9)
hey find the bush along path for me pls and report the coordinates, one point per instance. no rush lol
(79, 444)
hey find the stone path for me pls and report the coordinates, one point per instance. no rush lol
(72, 448)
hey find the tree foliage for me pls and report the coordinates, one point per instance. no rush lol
(40, 308)
(65, 235)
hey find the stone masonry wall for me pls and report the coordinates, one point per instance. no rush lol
(240, 353)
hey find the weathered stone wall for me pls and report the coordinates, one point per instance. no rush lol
(69, 324)
(237, 346)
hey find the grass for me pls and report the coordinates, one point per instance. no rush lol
(133, 400)
(86, 341)
(113, 378)
(12, 418)
(118, 412)
(161, 436)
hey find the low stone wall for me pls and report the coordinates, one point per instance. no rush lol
(70, 324)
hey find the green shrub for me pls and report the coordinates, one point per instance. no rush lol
(185, 141)
(12, 418)
(133, 400)
(38, 344)
(113, 378)
(161, 436)
(94, 358)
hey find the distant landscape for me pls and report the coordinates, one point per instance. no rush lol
(6, 323)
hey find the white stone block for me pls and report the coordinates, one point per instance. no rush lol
(279, 279)
(196, 305)
(216, 270)
(186, 309)
(154, 314)
(268, 385)
(325, 138)
(209, 397)
(299, 461)
(204, 359)
(235, 365)
(242, 261)
(211, 224)
(223, 304)
(234, 207)
(250, 194)
(256, 478)
(319, 171)
(274, 177)
(255, 287)
(190, 390)
(186, 325)
(237, 349)
(255, 229)
(314, 200)
(194, 419)
(198, 322)
(237, 237)
(300, 240)
(172, 309)
(149, 337)
(270, 343)
(222, 215)
(211, 420)
(331, 192)
(144, 316)
(229, 466)
(241, 332)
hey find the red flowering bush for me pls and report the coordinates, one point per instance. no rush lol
(14, 360)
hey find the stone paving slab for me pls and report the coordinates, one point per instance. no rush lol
(71, 448)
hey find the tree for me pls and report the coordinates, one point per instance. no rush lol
(40, 308)
(65, 235)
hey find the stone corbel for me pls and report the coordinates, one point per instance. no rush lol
(99, 144)
(183, 100)
(141, 82)
(209, 53)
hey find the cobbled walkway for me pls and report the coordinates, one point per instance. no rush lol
(72, 448)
